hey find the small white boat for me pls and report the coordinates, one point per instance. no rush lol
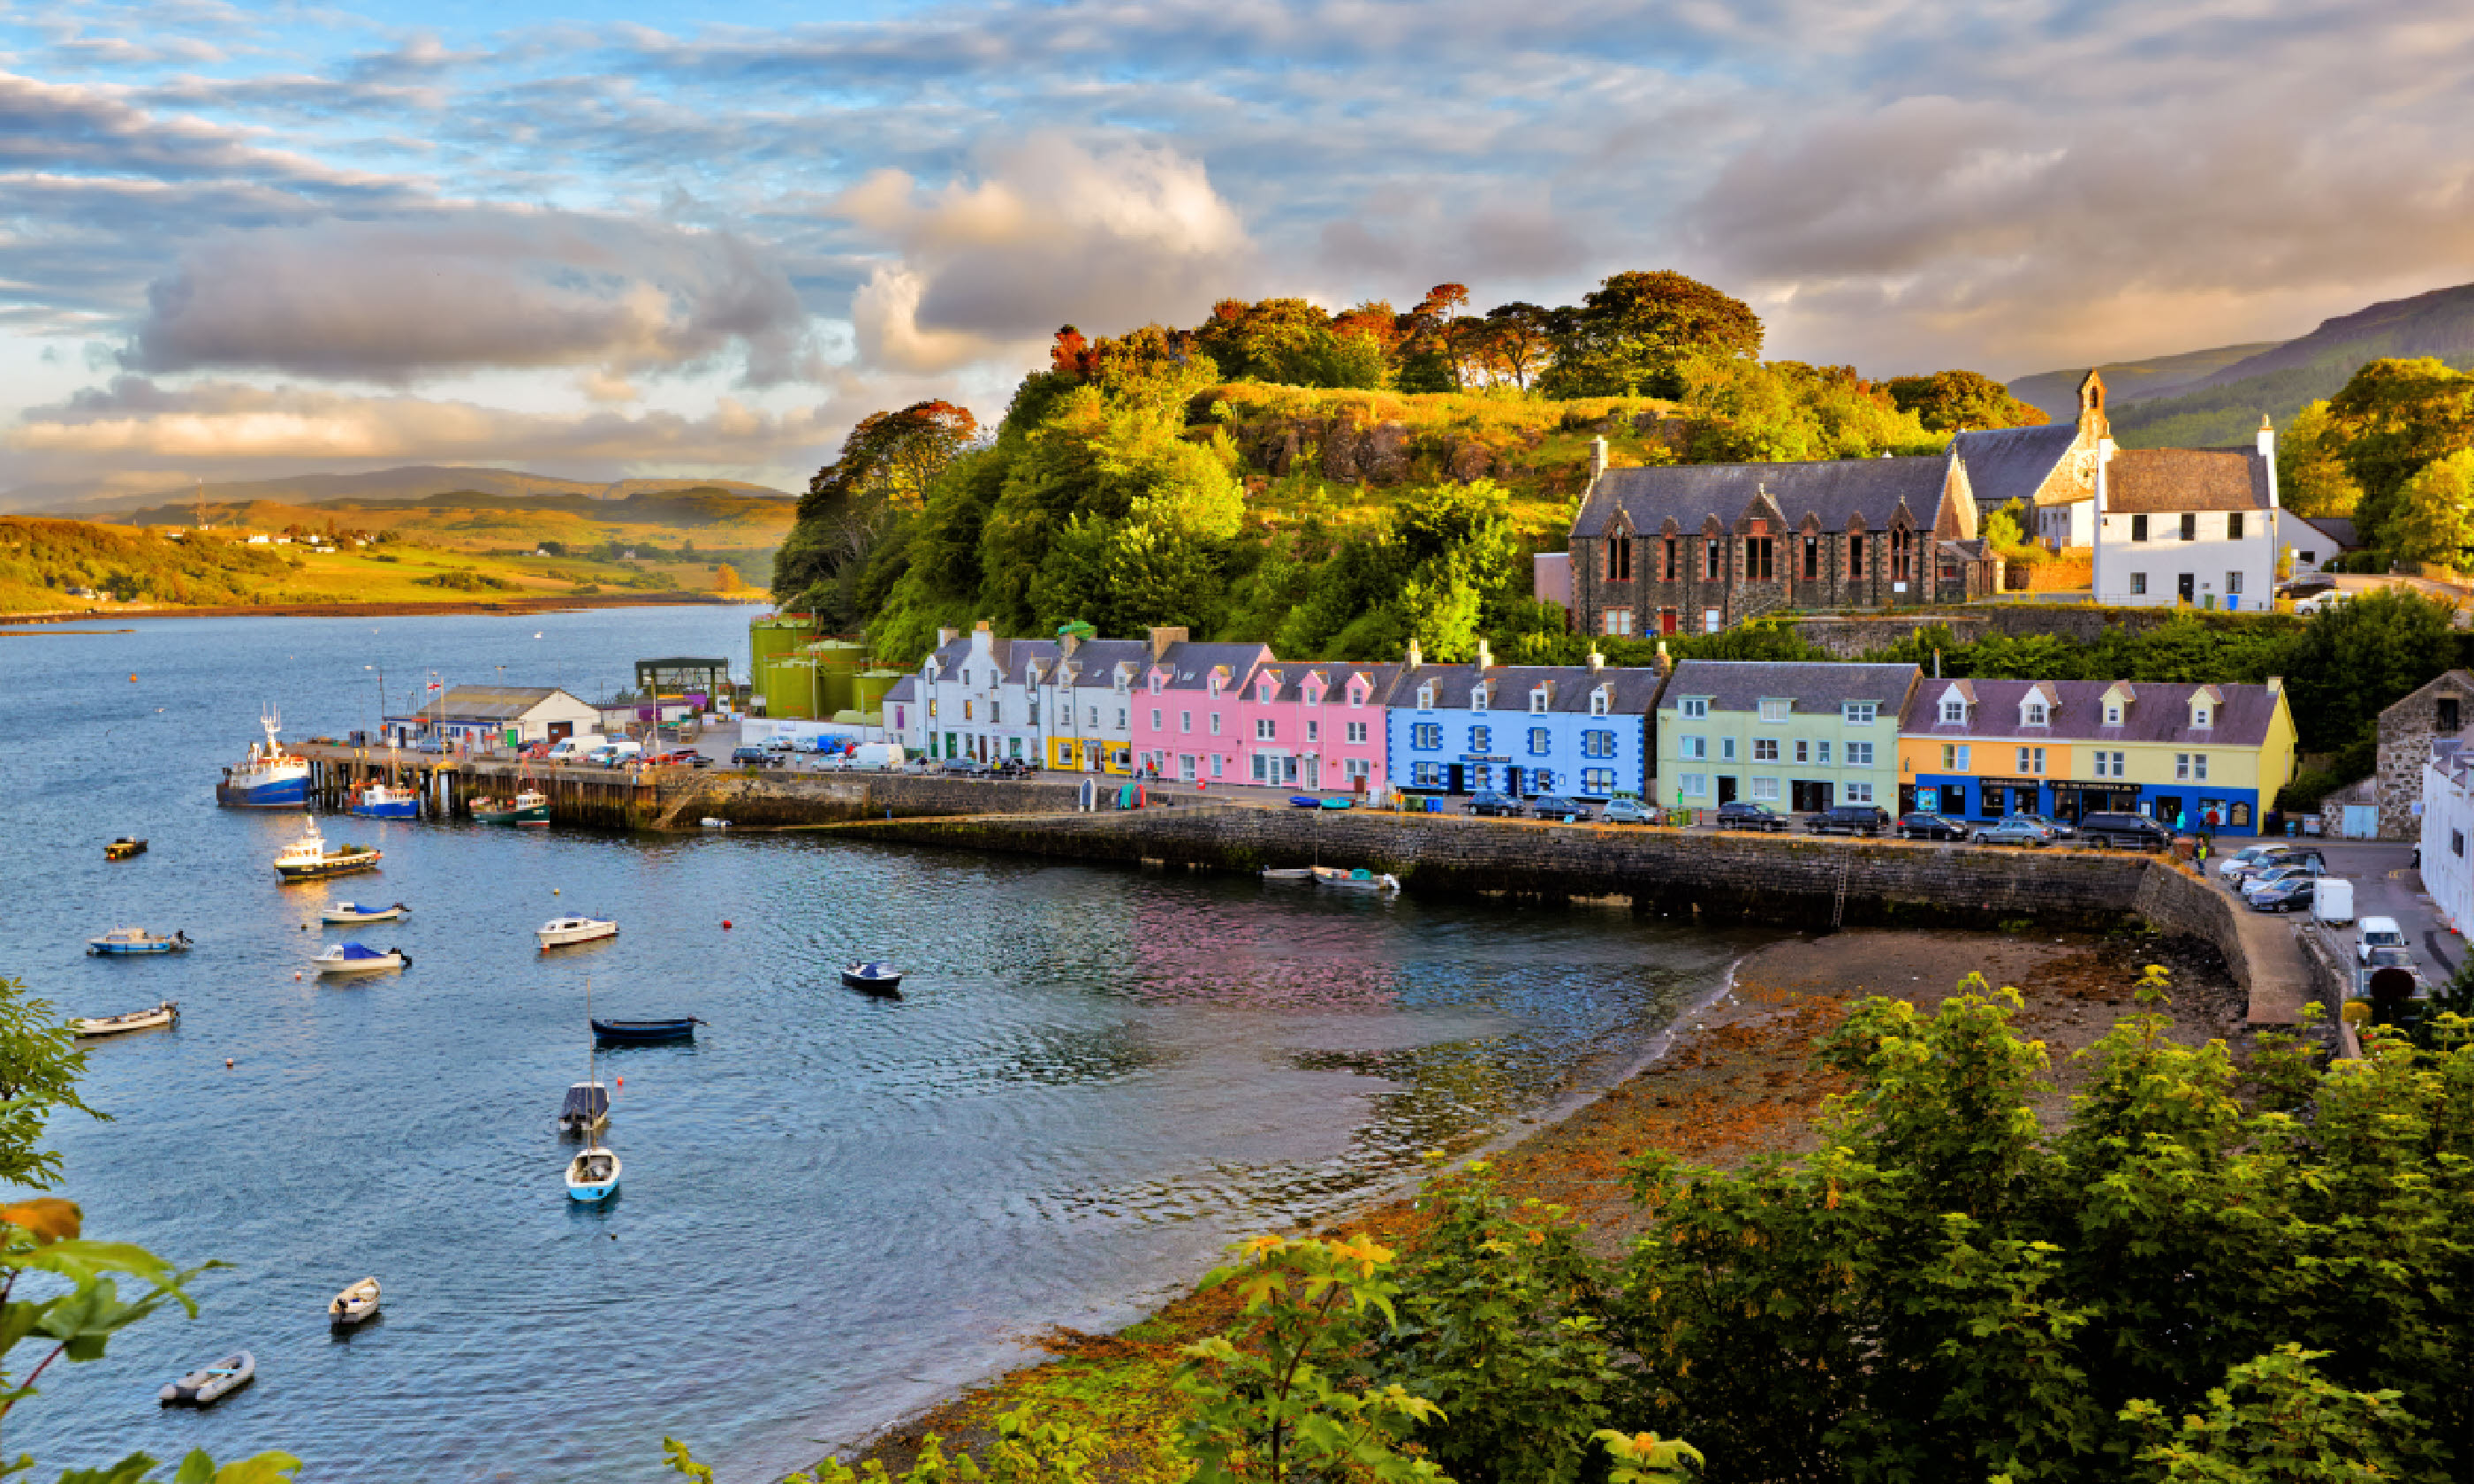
(123, 942)
(1287, 872)
(354, 912)
(1359, 881)
(872, 979)
(307, 858)
(559, 932)
(164, 1013)
(355, 1303)
(710, 823)
(587, 1109)
(210, 1383)
(350, 958)
(593, 1175)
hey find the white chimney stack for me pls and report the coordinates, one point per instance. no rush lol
(1597, 456)
(1486, 656)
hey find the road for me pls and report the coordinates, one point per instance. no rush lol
(2386, 884)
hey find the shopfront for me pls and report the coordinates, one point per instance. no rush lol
(2075, 800)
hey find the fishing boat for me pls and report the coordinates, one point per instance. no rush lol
(1360, 880)
(872, 979)
(593, 1175)
(380, 802)
(675, 1028)
(1288, 874)
(561, 932)
(354, 912)
(489, 810)
(208, 1384)
(91, 1027)
(307, 858)
(350, 958)
(269, 777)
(355, 1303)
(123, 849)
(128, 941)
(532, 807)
(587, 1108)
(528, 807)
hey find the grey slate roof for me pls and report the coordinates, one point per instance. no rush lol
(1636, 691)
(2159, 713)
(1335, 675)
(2009, 463)
(905, 688)
(2153, 481)
(1188, 664)
(1815, 688)
(1097, 662)
(1835, 490)
(2339, 529)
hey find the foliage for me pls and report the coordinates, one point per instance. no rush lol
(2276, 1420)
(1437, 571)
(2393, 417)
(40, 1065)
(1028, 1451)
(2005, 530)
(1757, 412)
(2310, 478)
(1632, 333)
(1646, 1458)
(885, 467)
(1949, 401)
(465, 580)
(2432, 518)
(1293, 342)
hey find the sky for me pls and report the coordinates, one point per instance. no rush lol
(638, 239)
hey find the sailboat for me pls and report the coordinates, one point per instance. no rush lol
(593, 1175)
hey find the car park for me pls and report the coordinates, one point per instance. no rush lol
(2282, 856)
(1922, 825)
(2013, 830)
(1555, 807)
(2292, 895)
(2130, 831)
(1743, 814)
(1625, 809)
(1848, 819)
(2244, 859)
(2278, 874)
(1497, 805)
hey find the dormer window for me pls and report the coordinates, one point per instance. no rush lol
(1356, 695)
(1774, 710)
(1157, 683)
(1477, 698)
(2033, 714)
(1598, 702)
(2200, 714)
(2113, 714)
(1537, 703)
(1954, 712)
(1425, 697)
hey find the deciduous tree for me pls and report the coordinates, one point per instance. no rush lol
(1947, 402)
(1631, 336)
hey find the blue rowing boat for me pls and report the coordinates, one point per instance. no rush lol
(675, 1028)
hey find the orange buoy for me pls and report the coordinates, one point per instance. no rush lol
(622, 1082)
(296, 976)
(133, 680)
(725, 925)
(228, 1063)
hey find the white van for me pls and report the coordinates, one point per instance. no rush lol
(2378, 933)
(874, 757)
(615, 750)
(568, 749)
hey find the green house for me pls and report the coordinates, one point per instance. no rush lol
(1792, 737)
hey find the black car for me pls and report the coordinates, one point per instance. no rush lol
(1741, 814)
(1500, 804)
(1555, 807)
(1929, 827)
(1847, 818)
(2290, 895)
(698, 760)
(2131, 831)
(968, 768)
(751, 756)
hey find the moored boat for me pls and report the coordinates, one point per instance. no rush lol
(593, 1175)
(125, 940)
(674, 1028)
(210, 1383)
(1359, 879)
(353, 1305)
(350, 958)
(348, 912)
(587, 1108)
(91, 1027)
(380, 802)
(307, 858)
(561, 932)
(123, 849)
(269, 777)
(489, 810)
(532, 807)
(1288, 874)
(872, 979)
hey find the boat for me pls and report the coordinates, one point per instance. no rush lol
(210, 1383)
(379, 802)
(528, 807)
(532, 807)
(560, 932)
(587, 1108)
(489, 810)
(89, 1027)
(1340, 802)
(1360, 880)
(872, 979)
(1288, 874)
(124, 848)
(675, 1028)
(593, 1175)
(307, 858)
(355, 1303)
(122, 941)
(350, 958)
(269, 777)
(1304, 801)
(354, 912)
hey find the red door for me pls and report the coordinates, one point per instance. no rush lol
(1666, 620)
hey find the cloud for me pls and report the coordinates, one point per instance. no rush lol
(1055, 233)
(457, 290)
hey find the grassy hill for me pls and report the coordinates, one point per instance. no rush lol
(2056, 393)
(414, 482)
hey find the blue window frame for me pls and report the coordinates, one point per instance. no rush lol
(1481, 739)
(1540, 742)
(1426, 737)
(1426, 775)
(1597, 781)
(1541, 781)
(1598, 744)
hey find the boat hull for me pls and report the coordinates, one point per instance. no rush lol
(571, 936)
(635, 1031)
(891, 985)
(97, 1027)
(355, 918)
(344, 967)
(390, 809)
(284, 791)
(314, 871)
(588, 1194)
(131, 949)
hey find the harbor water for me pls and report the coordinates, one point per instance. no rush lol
(835, 1208)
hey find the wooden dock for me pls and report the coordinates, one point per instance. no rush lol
(613, 797)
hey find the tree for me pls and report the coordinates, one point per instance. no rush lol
(1519, 343)
(2352, 661)
(1428, 356)
(726, 578)
(887, 465)
(40, 1065)
(2311, 477)
(1291, 342)
(2432, 518)
(1947, 402)
(2391, 419)
(1632, 335)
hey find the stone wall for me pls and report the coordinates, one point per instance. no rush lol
(774, 799)
(2406, 732)
(2177, 902)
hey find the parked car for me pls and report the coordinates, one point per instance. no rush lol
(2244, 877)
(694, 759)
(2292, 895)
(751, 756)
(2390, 958)
(2014, 831)
(1848, 819)
(968, 768)
(1502, 805)
(2278, 874)
(1555, 807)
(1922, 825)
(1625, 809)
(2132, 831)
(779, 745)
(2058, 829)
(1744, 814)
(2378, 933)
(2247, 856)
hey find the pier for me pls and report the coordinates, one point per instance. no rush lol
(613, 797)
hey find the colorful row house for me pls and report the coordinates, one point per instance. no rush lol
(1189, 716)
(2189, 756)
(1577, 731)
(1788, 736)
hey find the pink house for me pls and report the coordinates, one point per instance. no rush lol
(1316, 725)
(1188, 725)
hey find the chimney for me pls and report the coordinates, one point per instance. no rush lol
(1597, 456)
(2267, 456)
(1598, 661)
(2275, 685)
(1484, 655)
(1067, 643)
(1936, 664)
(945, 637)
(1665, 662)
(1162, 639)
(1416, 657)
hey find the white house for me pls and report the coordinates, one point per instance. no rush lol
(2314, 544)
(2187, 525)
(2447, 821)
(971, 700)
(1083, 693)
(485, 714)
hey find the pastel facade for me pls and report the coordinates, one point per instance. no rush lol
(1317, 725)
(1188, 721)
(2446, 825)
(2188, 755)
(1576, 731)
(1082, 694)
(1795, 737)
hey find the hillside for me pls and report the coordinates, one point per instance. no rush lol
(2056, 393)
(411, 483)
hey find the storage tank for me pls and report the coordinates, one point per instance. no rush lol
(789, 685)
(837, 662)
(868, 690)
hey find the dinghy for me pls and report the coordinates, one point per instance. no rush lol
(208, 1384)
(593, 1175)
(1287, 872)
(872, 979)
(123, 941)
(346, 912)
(560, 932)
(350, 958)
(587, 1108)
(164, 1013)
(675, 1028)
(353, 1305)
(124, 848)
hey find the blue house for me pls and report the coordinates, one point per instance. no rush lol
(1578, 730)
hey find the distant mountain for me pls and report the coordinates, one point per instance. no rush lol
(2057, 392)
(2222, 405)
(409, 484)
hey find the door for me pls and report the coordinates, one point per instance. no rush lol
(560, 731)
(1908, 798)
(1666, 620)
(2184, 586)
(2167, 811)
(1459, 781)
(1726, 788)
(2361, 821)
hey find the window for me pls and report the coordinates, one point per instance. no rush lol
(932, 708)
(1481, 738)
(1765, 749)
(1185, 721)
(1426, 775)
(1314, 729)
(1357, 732)
(2198, 767)
(1155, 721)
(1953, 711)
(1537, 703)
(1855, 792)
(1597, 781)
(2032, 714)
(1357, 767)
(2234, 528)
(1121, 718)
(2138, 583)
(1824, 748)
(1765, 789)
(1477, 698)
(2190, 526)
(1619, 559)
(2108, 764)
(1540, 741)
(1862, 713)
(2233, 580)
(1215, 724)
(2032, 759)
(1541, 781)
(1425, 697)
(1426, 737)
(1956, 758)
(2200, 716)
(2457, 842)
(1726, 749)
(1803, 751)
(1356, 696)
(1710, 620)
(1598, 702)
(996, 713)
(1696, 707)
(2448, 713)
(2139, 528)
(1856, 556)
(1811, 558)
(2113, 714)
(1216, 761)
(1617, 621)
(1774, 710)
(1709, 561)
(1185, 768)
(1859, 754)
(1265, 730)
(1598, 744)
(2182, 767)
(1692, 785)
(1095, 718)
(1670, 559)
(966, 709)
(1692, 747)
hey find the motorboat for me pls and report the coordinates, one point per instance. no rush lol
(1359, 879)
(593, 1175)
(307, 858)
(269, 777)
(587, 1108)
(208, 1384)
(349, 912)
(121, 942)
(351, 958)
(560, 932)
(123, 849)
(872, 979)
(91, 1027)
(1287, 872)
(380, 802)
(528, 807)
(355, 1303)
(532, 807)
(675, 1028)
